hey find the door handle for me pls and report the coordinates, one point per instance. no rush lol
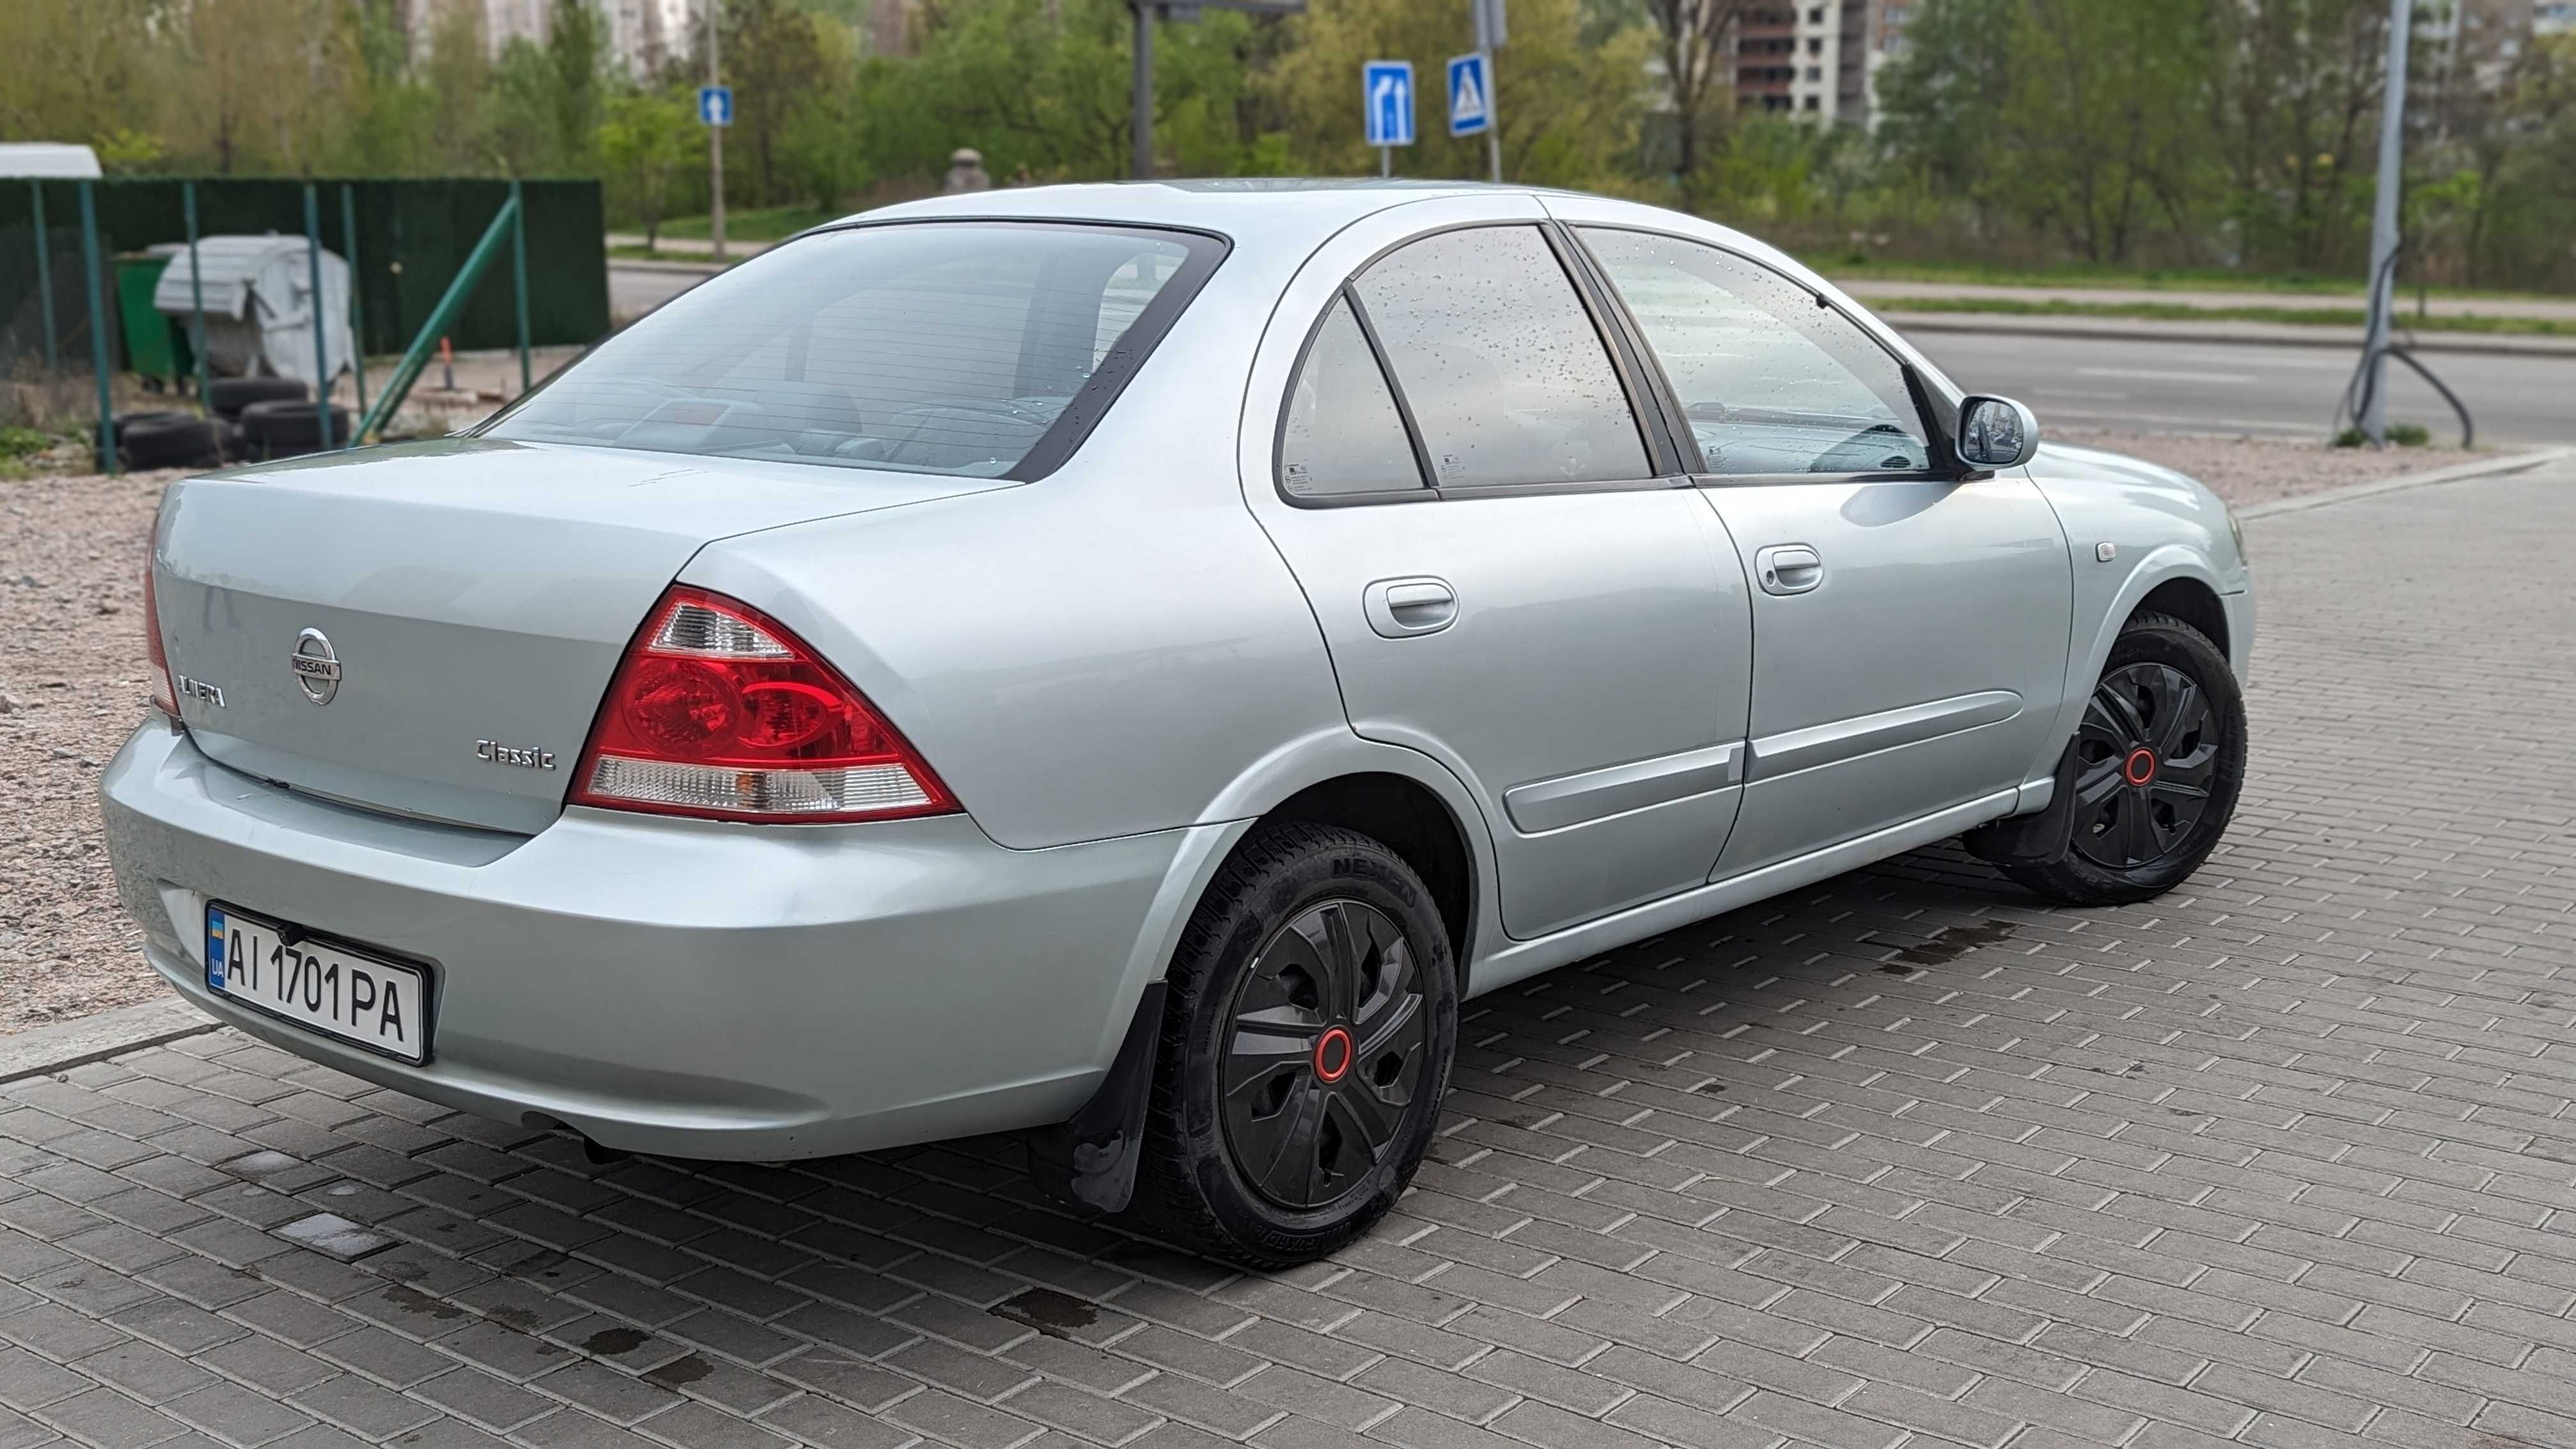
(1789, 568)
(1402, 608)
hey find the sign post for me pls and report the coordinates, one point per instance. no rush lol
(715, 110)
(1386, 106)
(1471, 85)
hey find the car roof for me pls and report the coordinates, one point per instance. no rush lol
(1242, 209)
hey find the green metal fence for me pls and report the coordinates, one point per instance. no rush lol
(410, 235)
(419, 254)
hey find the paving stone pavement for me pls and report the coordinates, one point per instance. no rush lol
(2283, 1159)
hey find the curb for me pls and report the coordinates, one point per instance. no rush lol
(2462, 473)
(43, 1050)
(706, 268)
(2241, 334)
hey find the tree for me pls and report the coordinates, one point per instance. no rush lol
(2295, 90)
(646, 140)
(1695, 51)
(774, 60)
(576, 59)
(1567, 112)
(2101, 120)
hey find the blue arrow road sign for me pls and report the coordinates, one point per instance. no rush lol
(1386, 91)
(715, 105)
(1471, 95)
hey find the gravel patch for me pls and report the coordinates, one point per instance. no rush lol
(73, 682)
(2259, 470)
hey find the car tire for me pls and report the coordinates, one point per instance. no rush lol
(1316, 979)
(2166, 720)
(175, 441)
(278, 428)
(226, 397)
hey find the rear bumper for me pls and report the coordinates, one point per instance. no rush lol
(680, 987)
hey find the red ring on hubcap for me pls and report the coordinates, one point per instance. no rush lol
(1333, 1055)
(2140, 767)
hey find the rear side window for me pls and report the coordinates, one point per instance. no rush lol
(1342, 434)
(1506, 375)
(983, 349)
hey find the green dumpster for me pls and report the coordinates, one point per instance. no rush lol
(152, 346)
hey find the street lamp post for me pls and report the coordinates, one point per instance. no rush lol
(2384, 238)
(715, 144)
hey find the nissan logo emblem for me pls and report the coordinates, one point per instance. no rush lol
(317, 669)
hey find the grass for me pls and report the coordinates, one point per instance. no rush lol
(2180, 312)
(1843, 267)
(776, 223)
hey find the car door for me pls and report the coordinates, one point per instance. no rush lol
(1505, 578)
(1909, 619)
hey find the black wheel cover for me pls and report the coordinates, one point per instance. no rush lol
(2146, 759)
(1327, 1049)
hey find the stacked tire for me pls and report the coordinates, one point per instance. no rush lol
(285, 427)
(168, 440)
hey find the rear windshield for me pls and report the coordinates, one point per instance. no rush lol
(984, 349)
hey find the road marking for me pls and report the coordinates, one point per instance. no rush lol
(2151, 375)
(2079, 392)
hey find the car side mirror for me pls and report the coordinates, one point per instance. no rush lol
(1996, 432)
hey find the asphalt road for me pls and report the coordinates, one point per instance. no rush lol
(2195, 387)
(2150, 385)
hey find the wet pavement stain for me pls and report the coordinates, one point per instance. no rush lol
(509, 1316)
(685, 1370)
(615, 1341)
(1954, 943)
(412, 1300)
(1054, 1314)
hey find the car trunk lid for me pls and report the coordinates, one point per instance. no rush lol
(428, 629)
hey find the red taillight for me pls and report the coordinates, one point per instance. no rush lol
(716, 711)
(165, 693)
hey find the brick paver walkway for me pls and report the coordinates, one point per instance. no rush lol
(2284, 1159)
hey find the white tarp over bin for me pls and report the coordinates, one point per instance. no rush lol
(259, 305)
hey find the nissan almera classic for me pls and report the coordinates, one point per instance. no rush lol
(1122, 664)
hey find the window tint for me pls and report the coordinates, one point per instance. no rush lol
(1342, 433)
(1501, 365)
(1771, 380)
(949, 348)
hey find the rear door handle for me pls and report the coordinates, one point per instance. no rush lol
(1789, 568)
(1402, 608)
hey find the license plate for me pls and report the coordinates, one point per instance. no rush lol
(379, 1004)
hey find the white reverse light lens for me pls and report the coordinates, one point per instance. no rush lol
(855, 790)
(696, 629)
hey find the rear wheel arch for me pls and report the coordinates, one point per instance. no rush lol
(1410, 819)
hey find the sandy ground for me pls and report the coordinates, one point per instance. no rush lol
(73, 684)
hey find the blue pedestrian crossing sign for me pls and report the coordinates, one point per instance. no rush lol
(1471, 95)
(715, 105)
(1386, 94)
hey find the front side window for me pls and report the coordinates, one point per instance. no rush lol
(932, 348)
(1342, 434)
(1771, 380)
(1507, 377)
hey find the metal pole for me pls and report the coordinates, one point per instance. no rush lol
(1493, 124)
(45, 279)
(2383, 227)
(98, 330)
(196, 297)
(519, 275)
(1143, 89)
(715, 147)
(321, 342)
(357, 307)
(1386, 160)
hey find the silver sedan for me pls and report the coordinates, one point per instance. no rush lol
(1121, 664)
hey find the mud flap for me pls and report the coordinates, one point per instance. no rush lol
(1089, 1159)
(2041, 838)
